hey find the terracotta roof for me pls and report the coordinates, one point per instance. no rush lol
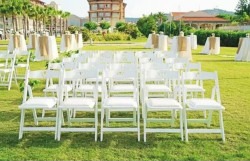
(203, 19)
(197, 16)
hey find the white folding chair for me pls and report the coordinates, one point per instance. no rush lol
(193, 67)
(201, 104)
(156, 104)
(23, 60)
(7, 69)
(79, 103)
(125, 57)
(119, 104)
(151, 84)
(126, 81)
(35, 103)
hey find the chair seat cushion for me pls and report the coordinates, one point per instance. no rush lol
(194, 88)
(54, 87)
(157, 88)
(120, 102)
(78, 102)
(167, 103)
(204, 103)
(88, 88)
(5, 70)
(39, 102)
(123, 88)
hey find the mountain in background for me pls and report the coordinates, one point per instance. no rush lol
(217, 11)
(214, 11)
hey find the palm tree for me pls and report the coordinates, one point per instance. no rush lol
(60, 12)
(65, 16)
(25, 9)
(14, 6)
(4, 12)
(161, 17)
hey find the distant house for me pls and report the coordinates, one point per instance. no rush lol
(112, 11)
(199, 19)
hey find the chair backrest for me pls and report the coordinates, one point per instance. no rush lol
(69, 65)
(125, 57)
(51, 75)
(81, 58)
(207, 76)
(193, 67)
(54, 66)
(76, 77)
(168, 77)
(37, 75)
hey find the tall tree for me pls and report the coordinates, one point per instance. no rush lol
(65, 16)
(241, 7)
(90, 26)
(160, 18)
(4, 12)
(147, 24)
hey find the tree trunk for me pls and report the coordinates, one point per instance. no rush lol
(16, 23)
(55, 26)
(60, 26)
(13, 23)
(51, 25)
(4, 27)
(24, 27)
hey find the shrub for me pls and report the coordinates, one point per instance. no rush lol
(85, 34)
(115, 37)
(227, 38)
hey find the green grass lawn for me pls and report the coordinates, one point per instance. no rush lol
(234, 78)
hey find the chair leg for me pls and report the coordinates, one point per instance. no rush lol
(185, 125)
(57, 118)
(138, 124)
(96, 123)
(222, 126)
(134, 116)
(21, 124)
(35, 117)
(209, 119)
(181, 124)
(173, 112)
(107, 117)
(145, 125)
(59, 124)
(43, 113)
(102, 117)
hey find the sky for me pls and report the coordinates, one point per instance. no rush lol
(137, 8)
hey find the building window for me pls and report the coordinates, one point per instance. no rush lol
(107, 6)
(107, 14)
(101, 6)
(115, 7)
(100, 14)
(93, 15)
(115, 15)
(94, 7)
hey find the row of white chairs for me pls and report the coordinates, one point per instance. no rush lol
(85, 98)
(13, 66)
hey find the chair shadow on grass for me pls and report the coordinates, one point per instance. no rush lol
(122, 140)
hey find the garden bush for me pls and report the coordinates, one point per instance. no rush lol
(227, 38)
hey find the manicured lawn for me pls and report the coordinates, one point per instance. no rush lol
(234, 78)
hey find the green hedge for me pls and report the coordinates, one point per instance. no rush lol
(227, 38)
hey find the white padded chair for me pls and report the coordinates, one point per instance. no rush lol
(79, 103)
(7, 69)
(119, 104)
(162, 104)
(35, 103)
(23, 60)
(204, 104)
